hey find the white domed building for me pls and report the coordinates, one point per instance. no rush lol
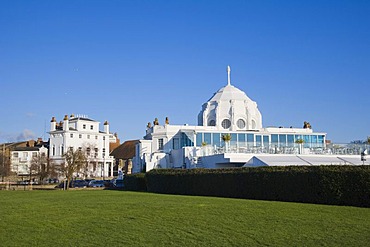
(230, 134)
(230, 109)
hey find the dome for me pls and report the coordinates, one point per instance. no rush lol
(230, 109)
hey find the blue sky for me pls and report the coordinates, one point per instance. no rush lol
(131, 61)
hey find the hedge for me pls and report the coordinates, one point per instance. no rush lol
(338, 185)
(135, 182)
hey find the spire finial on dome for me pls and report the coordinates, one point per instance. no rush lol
(228, 75)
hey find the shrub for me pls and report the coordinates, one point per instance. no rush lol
(340, 185)
(135, 182)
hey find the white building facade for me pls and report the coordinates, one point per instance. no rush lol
(81, 132)
(230, 134)
(21, 158)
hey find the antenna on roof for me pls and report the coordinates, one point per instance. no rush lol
(228, 75)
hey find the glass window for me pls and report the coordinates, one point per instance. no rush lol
(71, 135)
(217, 139)
(240, 123)
(250, 139)
(274, 139)
(91, 127)
(199, 139)
(207, 138)
(84, 126)
(176, 143)
(241, 140)
(88, 136)
(290, 138)
(266, 141)
(15, 155)
(282, 140)
(96, 137)
(320, 139)
(226, 123)
(79, 136)
(233, 139)
(160, 144)
(258, 140)
(212, 123)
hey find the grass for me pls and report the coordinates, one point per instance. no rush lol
(121, 218)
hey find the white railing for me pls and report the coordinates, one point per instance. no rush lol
(331, 149)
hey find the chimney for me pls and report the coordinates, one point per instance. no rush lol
(53, 124)
(65, 123)
(106, 127)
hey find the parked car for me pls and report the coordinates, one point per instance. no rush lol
(74, 184)
(78, 184)
(97, 183)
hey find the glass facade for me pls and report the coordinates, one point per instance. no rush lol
(241, 140)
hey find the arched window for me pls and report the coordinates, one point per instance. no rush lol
(253, 124)
(240, 123)
(226, 123)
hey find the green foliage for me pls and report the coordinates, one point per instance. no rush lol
(339, 185)
(226, 137)
(135, 182)
(299, 141)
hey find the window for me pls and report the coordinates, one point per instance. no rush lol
(80, 136)
(15, 155)
(71, 135)
(207, 138)
(160, 144)
(226, 124)
(176, 143)
(241, 140)
(240, 123)
(53, 150)
(96, 152)
(199, 139)
(84, 126)
(103, 138)
(96, 137)
(88, 151)
(91, 127)
(266, 141)
(212, 123)
(103, 152)
(80, 149)
(274, 139)
(88, 136)
(216, 139)
(258, 140)
(61, 149)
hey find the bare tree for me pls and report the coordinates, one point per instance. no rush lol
(4, 164)
(91, 154)
(39, 167)
(75, 160)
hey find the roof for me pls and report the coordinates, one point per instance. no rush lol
(125, 151)
(229, 92)
(26, 149)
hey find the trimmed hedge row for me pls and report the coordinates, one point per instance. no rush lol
(339, 185)
(135, 182)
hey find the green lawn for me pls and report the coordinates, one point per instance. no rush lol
(120, 218)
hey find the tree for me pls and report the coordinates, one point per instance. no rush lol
(75, 160)
(300, 143)
(39, 167)
(226, 138)
(4, 164)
